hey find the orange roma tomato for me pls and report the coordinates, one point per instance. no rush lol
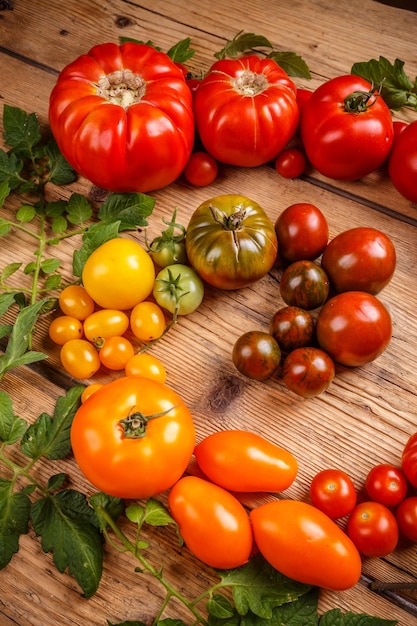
(304, 544)
(239, 460)
(76, 302)
(133, 438)
(105, 323)
(146, 365)
(147, 321)
(212, 522)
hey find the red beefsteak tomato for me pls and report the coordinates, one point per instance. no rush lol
(346, 128)
(122, 117)
(402, 166)
(246, 110)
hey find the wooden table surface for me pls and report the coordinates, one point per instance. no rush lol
(366, 415)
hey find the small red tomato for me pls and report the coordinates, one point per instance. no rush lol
(302, 232)
(333, 492)
(308, 371)
(304, 284)
(359, 259)
(409, 460)
(256, 354)
(386, 484)
(406, 516)
(290, 163)
(292, 327)
(373, 529)
(201, 169)
(354, 328)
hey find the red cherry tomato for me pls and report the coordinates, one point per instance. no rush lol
(308, 371)
(386, 484)
(409, 460)
(256, 354)
(333, 492)
(292, 327)
(354, 328)
(302, 232)
(359, 259)
(290, 163)
(373, 529)
(201, 169)
(304, 284)
(406, 516)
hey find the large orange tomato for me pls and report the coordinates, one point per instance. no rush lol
(122, 116)
(133, 438)
(306, 545)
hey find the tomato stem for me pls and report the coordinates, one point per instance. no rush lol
(361, 101)
(135, 424)
(234, 221)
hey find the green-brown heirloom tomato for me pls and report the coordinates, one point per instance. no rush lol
(304, 284)
(212, 522)
(256, 354)
(231, 242)
(133, 438)
(304, 544)
(308, 371)
(239, 460)
(292, 327)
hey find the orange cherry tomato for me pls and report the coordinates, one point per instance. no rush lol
(146, 365)
(116, 352)
(79, 358)
(105, 323)
(147, 321)
(76, 302)
(63, 328)
(89, 390)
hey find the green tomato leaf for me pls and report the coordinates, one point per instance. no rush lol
(95, 236)
(53, 282)
(69, 530)
(10, 168)
(56, 208)
(50, 436)
(14, 520)
(181, 51)
(156, 514)
(59, 225)
(397, 89)
(291, 63)
(79, 210)
(219, 607)
(5, 226)
(6, 301)
(301, 612)
(4, 191)
(9, 270)
(48, 266)
(22, 131)
(56, 481)
(258, 587)
(61, 172)
(26, 213)
(335, 617)
(12, 428)
(130, 209)
(242, 43)
(106, 506)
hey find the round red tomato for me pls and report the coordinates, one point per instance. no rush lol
(214, 525)
(354, 328)
(346, 128)
(122, 117)
(302, 232)
(304, 544)
(402, 165)
(256, 354)
(308, 371)
(406, 516)
(373, 529)
(290, 163)
(240, 461)
(231, 241)
(333, 492)
(409, 460)
(246, 110)
(292, 327)
(201, 169)
(386, 484)
(133, 438)
(304, 284)
(359, 259)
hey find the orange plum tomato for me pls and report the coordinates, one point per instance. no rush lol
(292, 327)
(105, 323)
(304, 284)
(308, 371)
(290, 163)
(302, 232)
(119, 274)
(373, 529)
(122, 116)
(79, 358)
(386, 483)
(116, 352)
(359, 259)
(146, 365)
(409, 460)
(214, 525)
(256, 354)
(406, 516)
(231, 241)
(133, 438)
(201, 169)
(243, 461)
(333, 492)
(303, 543)
(76, 302)
(63, 328)
(354, 328)
(147, 321)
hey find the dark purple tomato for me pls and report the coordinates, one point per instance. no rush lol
(308, 371)
(292, 327)
(304, 284)
(256, 354)
(302, 232)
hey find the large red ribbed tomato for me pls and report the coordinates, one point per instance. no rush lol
(122, 117)
(246, 110)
